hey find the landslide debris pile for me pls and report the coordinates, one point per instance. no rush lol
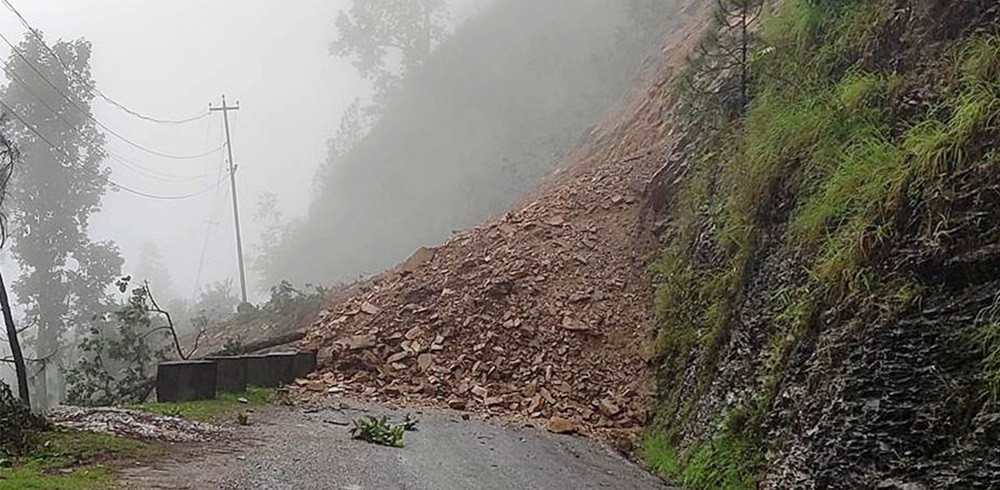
(542, 314)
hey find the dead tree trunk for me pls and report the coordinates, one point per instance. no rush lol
(15, 346)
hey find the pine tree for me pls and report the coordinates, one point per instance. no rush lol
(726, 51)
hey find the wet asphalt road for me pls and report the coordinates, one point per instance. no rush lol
(294, 448)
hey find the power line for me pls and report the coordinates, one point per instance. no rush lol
(148, 172)
(168, 198)
(153, 173)
(87, 114)
(213, 223)
(113, 183)
(34, 32)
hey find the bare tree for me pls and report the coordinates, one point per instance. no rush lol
(8, 155)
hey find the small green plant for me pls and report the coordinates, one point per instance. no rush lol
(175, 412)
(409, 423)
(378, 430)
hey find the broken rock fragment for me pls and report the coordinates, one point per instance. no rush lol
(608, 408)
(359, 342)
(560, 425)
(425, 361)
(480, 391)
(399, 356)
(369, 308)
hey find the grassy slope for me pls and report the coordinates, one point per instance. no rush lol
(827, 136)
(68, 459)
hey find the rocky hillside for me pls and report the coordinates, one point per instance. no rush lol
(829, 285)
(817, 266)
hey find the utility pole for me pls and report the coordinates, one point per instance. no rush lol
(232, 180)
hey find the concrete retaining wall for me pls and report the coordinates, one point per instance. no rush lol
(202, 379)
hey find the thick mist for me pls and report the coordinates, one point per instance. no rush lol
(494, 110)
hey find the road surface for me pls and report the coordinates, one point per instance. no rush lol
(297, 448)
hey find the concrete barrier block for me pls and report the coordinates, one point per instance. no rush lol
(231, 373)
(304, 363)
(183, 381)
(270, 370)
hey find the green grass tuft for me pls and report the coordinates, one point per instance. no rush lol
(723, 462)
(226, 407)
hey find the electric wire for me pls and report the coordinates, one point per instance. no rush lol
(140, 169)
(212, 224)
(34, 32)
(87, 114)
(116, 185)
(153, 173)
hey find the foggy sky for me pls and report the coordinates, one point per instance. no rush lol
(170, 59)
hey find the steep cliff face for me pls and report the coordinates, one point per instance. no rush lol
(828, 289)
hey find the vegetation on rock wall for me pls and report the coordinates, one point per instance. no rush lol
(828, 265)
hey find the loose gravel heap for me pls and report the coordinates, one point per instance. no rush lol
(134, 425)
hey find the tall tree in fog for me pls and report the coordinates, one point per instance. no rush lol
(375, 34)
(58, 186)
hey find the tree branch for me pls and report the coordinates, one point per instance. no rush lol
(170, 326)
